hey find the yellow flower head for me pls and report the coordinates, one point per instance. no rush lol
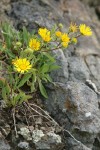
(45, 34)
(85, 30)
(65, 38)
(64, 44)
(21, 65)
(73, 27)
(58, 33)
(34, 44)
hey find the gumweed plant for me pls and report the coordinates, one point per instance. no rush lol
(27, 59)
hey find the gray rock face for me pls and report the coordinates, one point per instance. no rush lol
(94, 64)
(79, 106)
(62, 73)
(53, 141)
(72, 145)
(41, 141)
(4, 145)
(4, 7)
(92, 2)
(23, 145)
(78, 69)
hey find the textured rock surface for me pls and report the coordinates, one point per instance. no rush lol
(4, 8)
(72, 103)
(76, 106)
(4, 145)
(41, 140)
(23, 145)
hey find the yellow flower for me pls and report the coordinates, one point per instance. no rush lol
(73, 27)
(85, 30)
(46, 38)
(65, 38)
(45, 34)
(21, 65)
(64, 44)
(42, 31)
(58, 33)
(34, 44)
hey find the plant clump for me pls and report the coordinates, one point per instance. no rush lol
(28, 58)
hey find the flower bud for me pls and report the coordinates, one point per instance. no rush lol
(28, 50)
(74, 40)
(60, 25)
(18, 44)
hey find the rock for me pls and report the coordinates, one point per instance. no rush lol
(98, 11)
(78, 69)
(94, 65)
(41, 141)
(37, 135)
(51, 141)
(42, 145)
(72, 103)
(25, 133)
(4, 145)
(62, 73)
(56, 138)
(4, 8)
(23, 145)
(92, 2)
(73, 145)
(78, 104)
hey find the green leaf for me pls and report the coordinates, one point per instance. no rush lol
(47, 76)
(7, 89)
(2, 82)
(24, 98)
(25, 36)
(25, 78)
(51, 58)
(9, 34)
(10, 54)
(15, 99)
(44, 68)
(42, 89)
(33, 82)
(4, 94)
(32, 87)
(54, 67)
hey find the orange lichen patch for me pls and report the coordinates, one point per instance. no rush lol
(69, 105)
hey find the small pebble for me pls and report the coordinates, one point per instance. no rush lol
(88, 114)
